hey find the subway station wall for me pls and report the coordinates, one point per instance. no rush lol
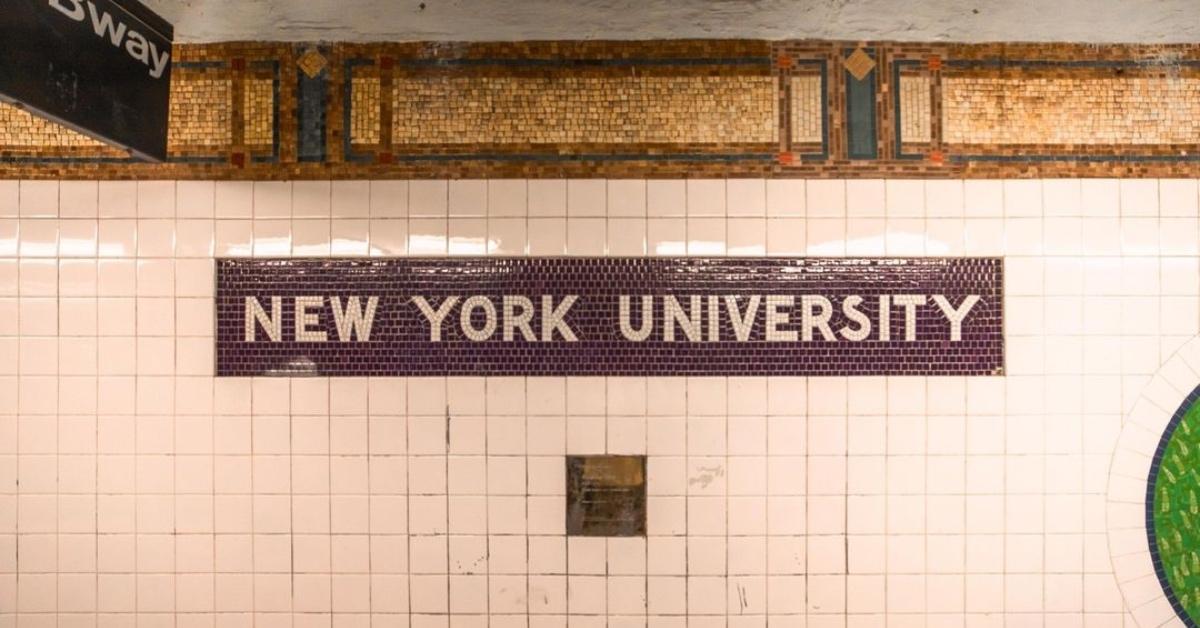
(137, 488)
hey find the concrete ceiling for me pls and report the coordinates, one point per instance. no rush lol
(1099, 21)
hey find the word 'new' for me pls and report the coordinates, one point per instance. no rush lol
(351, 319)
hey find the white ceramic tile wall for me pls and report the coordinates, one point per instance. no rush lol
(136, 489)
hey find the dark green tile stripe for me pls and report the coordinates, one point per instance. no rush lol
(861, 134)
(310, 114)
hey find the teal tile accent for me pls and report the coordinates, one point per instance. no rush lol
(862, 138)
(310, 114)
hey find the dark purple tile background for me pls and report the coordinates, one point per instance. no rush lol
(400, 338)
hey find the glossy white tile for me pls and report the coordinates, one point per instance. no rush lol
(151, 489)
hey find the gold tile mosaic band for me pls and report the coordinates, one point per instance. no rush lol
(584, 109)
(26, 132)
(916, 103)
(1071, 110)
(653, 109)
(365, 107)
(201, 112)
(807, 115)
(259, 99)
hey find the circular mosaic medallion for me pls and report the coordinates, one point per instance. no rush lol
(1173, 510)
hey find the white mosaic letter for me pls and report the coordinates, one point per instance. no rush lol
(273, 324)
(553, 318)
(489, 311)
(673, 313)
(810, 317)
(850, 309)
(885, 318)
(956, 316)
(435, 317)
(305, 319)
(775, 318)
(714, 318)
(513, 320)
(743, 324)
(910, 303)
(354, 317)
(645, 328)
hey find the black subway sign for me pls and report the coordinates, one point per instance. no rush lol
(610, 316)
(101, 67)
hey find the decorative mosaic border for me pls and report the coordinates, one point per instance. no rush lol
(609, 316)
(191, 143)
(1129, 499)
(708, 108)
(1160, 569)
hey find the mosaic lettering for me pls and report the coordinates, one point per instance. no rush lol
(567, 316)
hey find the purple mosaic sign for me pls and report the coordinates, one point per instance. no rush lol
(610, 316)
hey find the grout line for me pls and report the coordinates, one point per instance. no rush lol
(767, 502)
(136, 414)
(407, 494)
(17, 448)
(174, 408)
(1006, 220)
(925, 510)
(56, 418)
(96, 418)
(887, 492)
(566, 539)
(607, 450)
(727, 580)
(966, 536)
(645, 419)
(253, 517)
(687, 499)
(487, 527)
(368, 456)
(446, 466)
(329, 483)
(846, 510)
(525, 448)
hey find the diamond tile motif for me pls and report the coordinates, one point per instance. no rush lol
(312, 63)
(859, 64)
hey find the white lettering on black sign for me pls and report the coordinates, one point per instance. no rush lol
(117, 33)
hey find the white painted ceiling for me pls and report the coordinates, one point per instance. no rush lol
(1149, 21)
